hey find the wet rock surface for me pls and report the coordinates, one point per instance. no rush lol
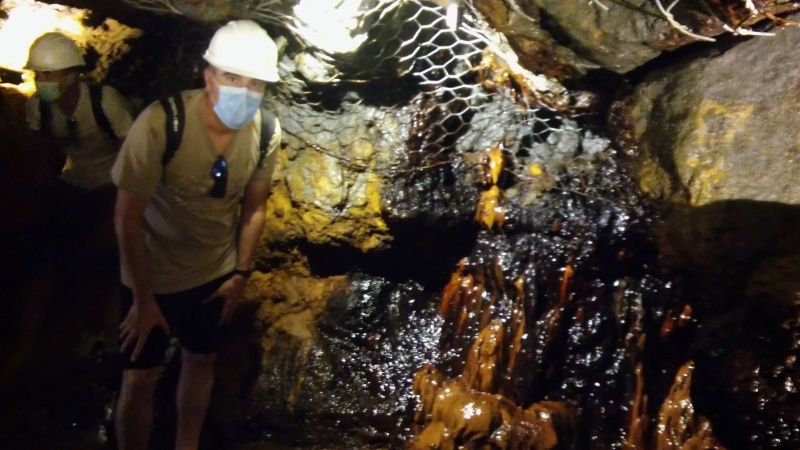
(567, 304)
(367, 340)
(727, 168)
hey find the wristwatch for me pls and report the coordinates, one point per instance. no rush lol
(245, 273)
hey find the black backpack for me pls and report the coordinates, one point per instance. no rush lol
(176, 115)
(96, 99)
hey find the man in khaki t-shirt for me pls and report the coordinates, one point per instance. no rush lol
(57, 63)
(91, 150)
(188, 228)
(88, 124)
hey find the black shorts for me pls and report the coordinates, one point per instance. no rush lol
(194, 323)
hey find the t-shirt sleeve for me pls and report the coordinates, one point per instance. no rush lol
(138, 166)
(118, 111)
(32, 119)
(266, 170)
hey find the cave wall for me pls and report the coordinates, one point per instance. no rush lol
(708, 132)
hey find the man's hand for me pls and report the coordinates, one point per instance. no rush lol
(141, 319)
(229, 293)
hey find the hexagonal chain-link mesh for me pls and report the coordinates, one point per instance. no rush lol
(418, 88)
(415, 91)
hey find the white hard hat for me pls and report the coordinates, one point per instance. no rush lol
(244, 48)
(54, 51)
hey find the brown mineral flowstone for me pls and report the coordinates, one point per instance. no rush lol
(679, 427)
(455, 416)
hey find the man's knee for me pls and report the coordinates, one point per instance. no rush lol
(138, 383)
(197, 361)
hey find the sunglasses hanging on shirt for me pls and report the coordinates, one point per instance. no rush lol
(72, 130)
(219, 173)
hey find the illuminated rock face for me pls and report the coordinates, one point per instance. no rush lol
(729, 141)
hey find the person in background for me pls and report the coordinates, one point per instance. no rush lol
(88, 123)
(188, 226)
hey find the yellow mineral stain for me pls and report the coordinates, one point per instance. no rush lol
(489, 211)
(373, 195)
(732, 117)
(326, 201)
(706, 181)
(316, 219)
(535, 169)
(715, 127)
(369, 216)
(362, 151)
(280, 216)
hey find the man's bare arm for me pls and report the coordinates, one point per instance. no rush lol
(144, 314)
(251, 225)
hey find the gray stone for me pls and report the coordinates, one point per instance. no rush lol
(724, 126)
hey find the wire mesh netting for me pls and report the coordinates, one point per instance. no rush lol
(419, 87)
(410, 86)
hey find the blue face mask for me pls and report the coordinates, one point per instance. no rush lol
(48, 91)
(237, 106)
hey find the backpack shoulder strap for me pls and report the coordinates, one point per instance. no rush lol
(45, 118)
(96, 97)
(175, 117)
(268, 123)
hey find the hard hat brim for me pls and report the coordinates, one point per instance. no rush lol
(79, 67)
(270, 76)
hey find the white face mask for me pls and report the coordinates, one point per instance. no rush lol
(236, 106)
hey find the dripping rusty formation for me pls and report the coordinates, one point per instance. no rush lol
(503, 342)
